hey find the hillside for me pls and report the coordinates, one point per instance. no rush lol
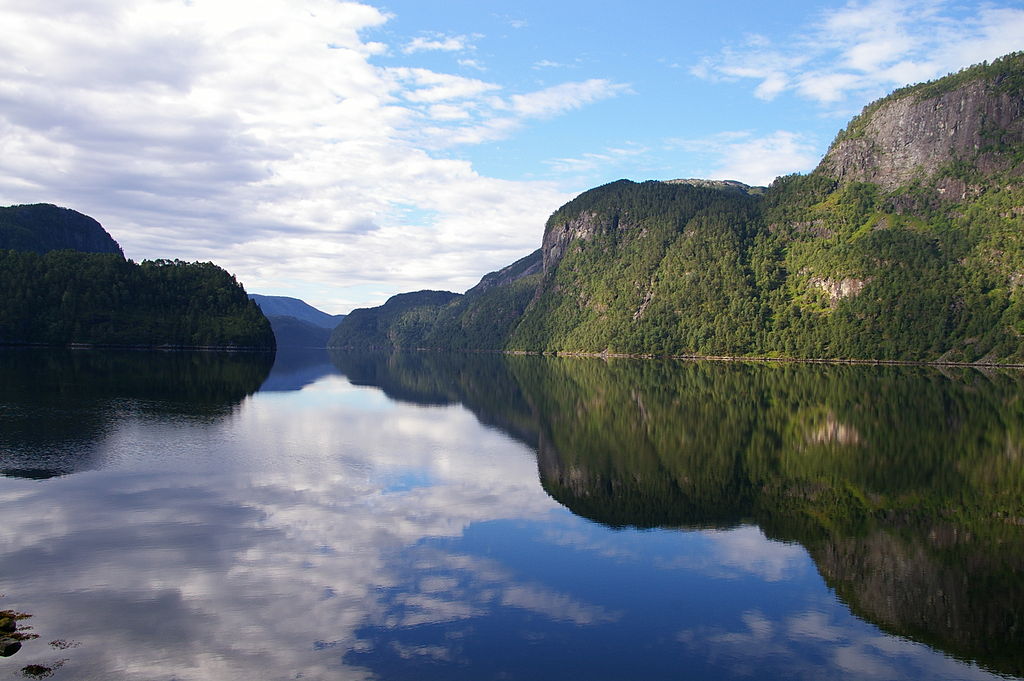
(284, 306)
(906, 243)
(290, 332)
(400, 322)
(54, 293)
(296, 323)
(43, 227)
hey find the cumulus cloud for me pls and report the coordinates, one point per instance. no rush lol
(565, 97)
(594, 161)
(263, 136)
(437, 42)
(864, 49)
(738, 155)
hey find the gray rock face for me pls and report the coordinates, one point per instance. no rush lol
(914, 136)
(523, 267)
(560, 235)
(724, 185)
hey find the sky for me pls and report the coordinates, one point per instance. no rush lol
(342, 152)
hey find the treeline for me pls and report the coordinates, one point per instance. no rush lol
(812, 269)
(68, 297)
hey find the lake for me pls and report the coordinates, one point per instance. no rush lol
(445, 516)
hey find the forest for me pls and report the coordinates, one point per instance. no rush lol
(816, 266)
(66, 297)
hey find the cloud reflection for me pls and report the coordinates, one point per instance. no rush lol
(211, 561)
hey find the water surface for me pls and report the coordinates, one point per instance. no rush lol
(441, 516)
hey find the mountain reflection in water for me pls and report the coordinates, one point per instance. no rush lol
(379, 516)
(905, 484)
(59, 403)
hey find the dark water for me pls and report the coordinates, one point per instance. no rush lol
(430, 516)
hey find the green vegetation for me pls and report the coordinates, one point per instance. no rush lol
(68, 297)
(1004, 75)
(403, 321)
(43, 227)
(812, 267)
(482, 319)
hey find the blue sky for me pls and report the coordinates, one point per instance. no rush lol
(341, 152)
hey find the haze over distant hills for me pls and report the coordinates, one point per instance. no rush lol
(906, 243)
(296, 323)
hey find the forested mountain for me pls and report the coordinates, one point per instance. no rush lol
(54, 294)
(43, 227)
(906, 243)
(402, 321)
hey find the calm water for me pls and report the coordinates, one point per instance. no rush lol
(421, 516)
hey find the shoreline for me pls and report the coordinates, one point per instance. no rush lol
(707, 358)
(160, 348)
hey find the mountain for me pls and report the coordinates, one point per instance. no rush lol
(43, 227)
(283, 306)
(905, 243)
(296, 323)
(55, 294)
(401, 321)
(290, 332)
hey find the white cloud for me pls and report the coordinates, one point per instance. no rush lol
(558, 99)
(865, 49)
(753, 160)
(603, 161)
(437, 42)
(263, 137)
(435, 87)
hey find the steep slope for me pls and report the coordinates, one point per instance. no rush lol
(906, 243)
(649, 267)
(937, 131)
(481, 319)
(43, 227)
(290, 332)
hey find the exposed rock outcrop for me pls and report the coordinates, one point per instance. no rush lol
(523, 267)
(560, 233)
(920, 131)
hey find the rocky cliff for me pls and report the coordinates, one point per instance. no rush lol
(935, 130)
(906, 243)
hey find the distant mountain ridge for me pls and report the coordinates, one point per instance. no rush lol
(296, 323)
(284, 306)
(906, 243)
